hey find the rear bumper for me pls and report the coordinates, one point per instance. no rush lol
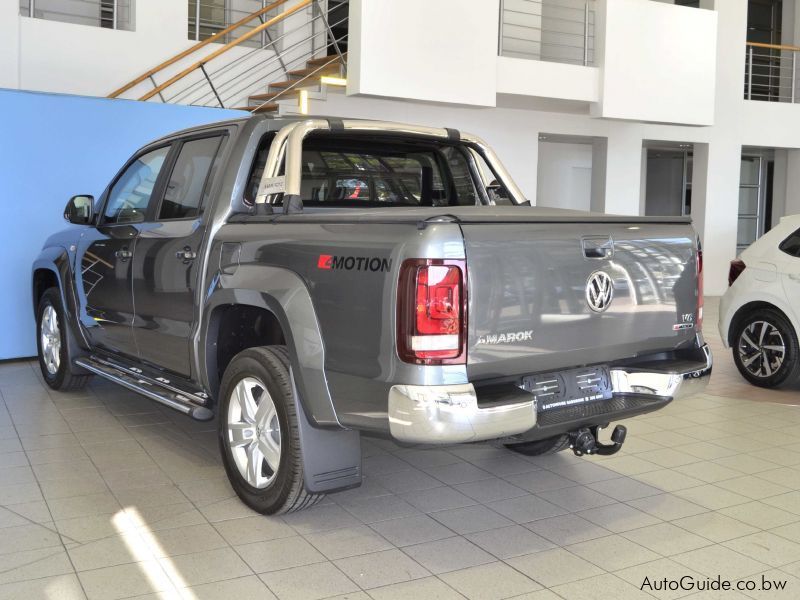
(453, 414)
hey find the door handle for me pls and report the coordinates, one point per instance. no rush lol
(123, 254)
(794, 276)
(186, 255)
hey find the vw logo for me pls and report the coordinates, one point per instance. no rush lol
(599, 291)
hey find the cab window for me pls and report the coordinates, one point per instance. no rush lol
(189, 183)
(128, 199)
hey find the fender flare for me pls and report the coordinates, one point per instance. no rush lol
(56, 260)
(290, 302)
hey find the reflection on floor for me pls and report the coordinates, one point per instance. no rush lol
(105, 495)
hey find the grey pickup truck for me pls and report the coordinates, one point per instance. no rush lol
(307, 281)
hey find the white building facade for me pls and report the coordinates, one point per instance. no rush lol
(619, 106)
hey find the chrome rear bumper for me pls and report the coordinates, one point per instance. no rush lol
(450, 414)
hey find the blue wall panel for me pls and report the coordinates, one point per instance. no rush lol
(53, 147)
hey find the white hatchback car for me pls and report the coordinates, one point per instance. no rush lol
(759, 315)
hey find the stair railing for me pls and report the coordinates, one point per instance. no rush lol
(253, 69)
(192, 49)
(233, 79)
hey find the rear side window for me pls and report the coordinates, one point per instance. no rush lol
(791, 245)
(128, 199)
(189, 182)
(353, 173)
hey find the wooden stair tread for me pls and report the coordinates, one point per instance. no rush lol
(332, 58)
(259, 108)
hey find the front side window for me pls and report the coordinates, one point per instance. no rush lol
(190, 179)
(128, 199)
(791, 245)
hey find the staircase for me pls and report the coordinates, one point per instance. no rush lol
(315, 74)
(300, 51)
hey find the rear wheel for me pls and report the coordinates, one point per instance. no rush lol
(258, 432)
(765, 349)
(541, 447)
(53, 343)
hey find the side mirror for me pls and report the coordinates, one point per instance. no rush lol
(80, 210)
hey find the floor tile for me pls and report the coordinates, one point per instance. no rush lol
(350, 541)
(429, 588)
(309, 582)
(381, 568)
(448, 555)
(470, 519)
(510, 541)
(666, 539)
(492, 581)
(554, 567)
(279, 554)
(412, 530)
(612, 553)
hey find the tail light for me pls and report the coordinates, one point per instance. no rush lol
(737, 266)
(699, 261)
(431, 312)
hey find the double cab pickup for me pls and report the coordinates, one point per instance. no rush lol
(308, 281)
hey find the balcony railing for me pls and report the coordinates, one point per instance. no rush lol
(551, 30)
(771, 72)
(109, 14)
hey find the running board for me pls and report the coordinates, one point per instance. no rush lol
(183, 402)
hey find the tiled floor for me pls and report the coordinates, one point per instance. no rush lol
(105, 495)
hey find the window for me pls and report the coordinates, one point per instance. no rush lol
(127, 201)
(189, 183)
(791, 245)
(346, 173)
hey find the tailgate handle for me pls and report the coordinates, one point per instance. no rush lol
(598, 247)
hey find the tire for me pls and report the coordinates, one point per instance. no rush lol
(52, 344)
(262, 375)
(756, 345)
(541, 447)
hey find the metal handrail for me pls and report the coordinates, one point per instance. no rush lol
(526, 24)
(191, 50)
(775, 76)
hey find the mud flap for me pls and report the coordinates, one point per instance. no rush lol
(331, 457)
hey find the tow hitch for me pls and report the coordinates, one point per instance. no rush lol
(585, 441)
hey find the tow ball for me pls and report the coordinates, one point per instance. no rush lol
(585, 441)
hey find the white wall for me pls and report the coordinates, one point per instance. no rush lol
(9, 45)
(658, 61)
(564, 175)
(444, 51)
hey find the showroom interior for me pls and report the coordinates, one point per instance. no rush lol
(653, 115)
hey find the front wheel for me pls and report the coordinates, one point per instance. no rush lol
(765, 349)
(258, 432)
(53, 343)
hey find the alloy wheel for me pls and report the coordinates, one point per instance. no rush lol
(51, 339)
(254, 432)
(762, 349)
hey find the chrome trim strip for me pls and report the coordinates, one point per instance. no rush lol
(449, 414)
(670, 384)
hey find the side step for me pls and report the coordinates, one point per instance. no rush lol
(183, 402)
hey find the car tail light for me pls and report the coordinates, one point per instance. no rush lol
(431, 312)
(737, 266)
(699, 260)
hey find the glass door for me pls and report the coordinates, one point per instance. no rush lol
(751, 201)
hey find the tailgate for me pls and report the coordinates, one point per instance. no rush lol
(533, 308)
